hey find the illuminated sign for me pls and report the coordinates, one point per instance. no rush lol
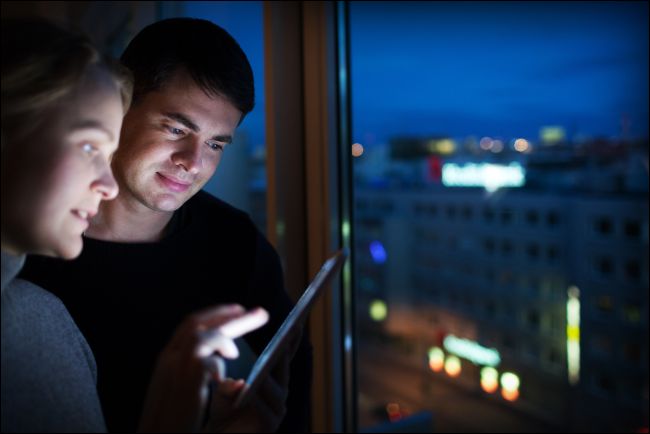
(573, 334)
(510, 386)
(453, 366)
(377, 252)
(436, 359)
(490, 176)
(441, 146)
(489, 379)
(378, 310)
(552, 134)
(472, 351)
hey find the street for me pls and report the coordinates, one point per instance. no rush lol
(395, 377)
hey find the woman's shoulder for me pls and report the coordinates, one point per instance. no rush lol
(35, 315)
(26, 295)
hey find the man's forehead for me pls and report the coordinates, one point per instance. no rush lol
(202, 110)
(182, 95)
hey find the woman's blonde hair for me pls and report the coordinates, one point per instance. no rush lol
(41, 64)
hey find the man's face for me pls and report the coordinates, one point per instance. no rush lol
(171, 144)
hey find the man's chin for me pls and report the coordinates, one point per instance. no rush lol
(167, 203)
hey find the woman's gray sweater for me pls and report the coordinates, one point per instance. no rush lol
(49, 374)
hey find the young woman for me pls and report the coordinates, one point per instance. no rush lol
(62, 109)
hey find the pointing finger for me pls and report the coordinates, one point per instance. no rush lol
(248, 322)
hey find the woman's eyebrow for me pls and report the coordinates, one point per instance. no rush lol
(92, 124)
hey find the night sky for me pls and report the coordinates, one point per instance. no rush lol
(498, 68)
(502, 69)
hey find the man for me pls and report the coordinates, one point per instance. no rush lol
(169, 248)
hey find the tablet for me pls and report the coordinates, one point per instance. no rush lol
(267, 360)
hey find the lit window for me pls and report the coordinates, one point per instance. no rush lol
(632, 312)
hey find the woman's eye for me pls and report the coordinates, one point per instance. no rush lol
(88, 148)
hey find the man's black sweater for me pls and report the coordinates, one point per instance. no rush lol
(128, 298)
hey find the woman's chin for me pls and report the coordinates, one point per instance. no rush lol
(68, 249)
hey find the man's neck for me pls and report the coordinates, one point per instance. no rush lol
(118, 220)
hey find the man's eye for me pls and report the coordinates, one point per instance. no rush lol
(215, 146)
(176, 131)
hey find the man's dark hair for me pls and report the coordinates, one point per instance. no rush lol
(207, 52)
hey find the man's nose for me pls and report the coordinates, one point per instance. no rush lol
(189, 156)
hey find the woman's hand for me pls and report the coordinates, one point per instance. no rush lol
(178, 390)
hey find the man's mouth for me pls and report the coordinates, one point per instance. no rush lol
(172, 183)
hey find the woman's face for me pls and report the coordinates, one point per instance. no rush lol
(54, 179)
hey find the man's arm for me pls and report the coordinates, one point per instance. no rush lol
(266, 289)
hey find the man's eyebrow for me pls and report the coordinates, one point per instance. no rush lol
(93, 124)
(183, 120)
(223, 139)
(192, 126)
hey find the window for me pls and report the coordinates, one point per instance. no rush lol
(552, 218)
(602, 345)
(532, 217)
(240, 178)
(532, 250)
(604, 267)
(553, 359)
(532, 319)
(519, 123)
(507, 216)
(605, 385)
(488, 215)
(632, 312)
(632, 229)
(604, 303)
(633, 270)
(632, 352)
(604, 226)
(506, 247)
(488, 245)
(451, 212)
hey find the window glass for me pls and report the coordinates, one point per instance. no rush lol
(240, 178)
(501, 213)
